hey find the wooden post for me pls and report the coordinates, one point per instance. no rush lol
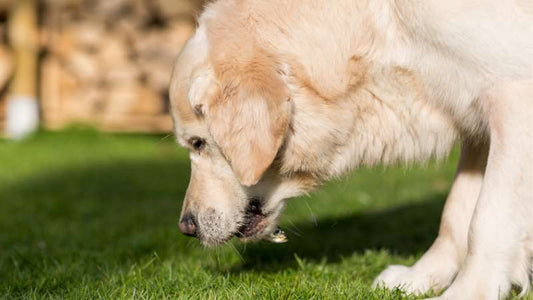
(22, 107)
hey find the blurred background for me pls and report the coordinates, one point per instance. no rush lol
(103, 63)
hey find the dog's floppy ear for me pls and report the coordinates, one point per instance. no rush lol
(249, 117)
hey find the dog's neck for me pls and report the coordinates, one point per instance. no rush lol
(384, 118)
(364, 101)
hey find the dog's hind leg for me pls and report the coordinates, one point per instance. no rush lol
(438, 266)
(499, 238)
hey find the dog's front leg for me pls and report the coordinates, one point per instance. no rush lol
(499, 249)
(438, 266)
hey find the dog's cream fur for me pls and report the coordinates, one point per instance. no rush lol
(288, 94)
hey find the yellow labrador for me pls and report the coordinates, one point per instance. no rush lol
(274, 97)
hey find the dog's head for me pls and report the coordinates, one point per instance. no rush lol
(232, 111)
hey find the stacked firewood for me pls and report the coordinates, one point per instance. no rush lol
(108, 62)
(6, 63)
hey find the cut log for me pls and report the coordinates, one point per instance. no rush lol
(136, 123)
(133, 99)
(6, 66)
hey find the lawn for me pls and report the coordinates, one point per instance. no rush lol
(86, 215)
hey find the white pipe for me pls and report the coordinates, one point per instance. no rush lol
(22, 116)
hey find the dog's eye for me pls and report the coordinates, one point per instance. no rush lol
(197, 143)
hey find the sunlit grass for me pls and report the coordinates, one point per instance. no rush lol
(85, 215)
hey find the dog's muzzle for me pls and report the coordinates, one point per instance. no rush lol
(254, 220)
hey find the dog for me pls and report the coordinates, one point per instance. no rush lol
(273, 98)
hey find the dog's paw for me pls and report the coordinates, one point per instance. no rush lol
(467, 294)
(413, 280)
(398, 276)
(476, 284)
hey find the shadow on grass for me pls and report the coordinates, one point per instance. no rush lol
(406, 230)
(124, 211)
(119, 211)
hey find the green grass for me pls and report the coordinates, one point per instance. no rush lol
(85, 215)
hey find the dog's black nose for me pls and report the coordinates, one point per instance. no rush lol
(188, 225)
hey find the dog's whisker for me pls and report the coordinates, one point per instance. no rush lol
(237, 252)
(313, 216)
(295, 230)
(190, 243)
(166, 137)
(217, 255)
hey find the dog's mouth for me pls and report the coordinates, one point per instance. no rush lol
(254, 220)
